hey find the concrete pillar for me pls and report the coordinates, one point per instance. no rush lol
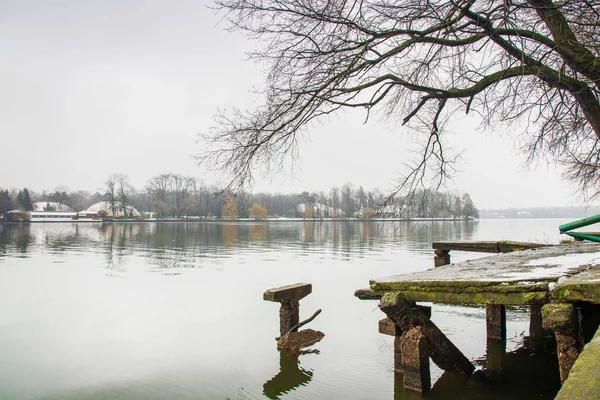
(494, 359)
(536, 331)
(388, 327)
(495, 318)
(289, 297)
(289, 315)
(564, 320)
(442, 257)
(415, 361)
(442, 351)
(398, 354)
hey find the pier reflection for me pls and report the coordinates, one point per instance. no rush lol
(291, 375)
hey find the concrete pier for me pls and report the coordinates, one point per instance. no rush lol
(556, 278)
(442, 249)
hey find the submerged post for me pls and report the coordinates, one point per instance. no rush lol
(495, 318)
(563, 319)
(389, 327)
(424, 342)
(289, 297)
(442, 257)
(536, 331)
(415, 361)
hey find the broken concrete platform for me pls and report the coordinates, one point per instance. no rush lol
(500, 246)
(560, 275)
(522, 277)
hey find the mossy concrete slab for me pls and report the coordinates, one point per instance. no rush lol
(584, 286)
(584, 380)
(557, 315)
(502, 246)
(482, 297)
(512, 278)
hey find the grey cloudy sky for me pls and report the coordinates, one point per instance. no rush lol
(95, 87)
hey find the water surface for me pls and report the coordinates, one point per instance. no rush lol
(175, 310)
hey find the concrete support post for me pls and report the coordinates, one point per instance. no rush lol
(494, 359)
(398, 354)
(289, 315)
(289, 298)
(495, 318)
(536, 331)
(564, 320)
(388, 327)
(415, 361)
(442, 257)
(442, 351)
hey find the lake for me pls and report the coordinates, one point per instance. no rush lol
(175, 310)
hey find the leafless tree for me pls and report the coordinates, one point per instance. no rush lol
(111, 192)
(125, 189)
(535, 62)
(172, 190)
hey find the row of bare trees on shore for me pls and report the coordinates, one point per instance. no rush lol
(176, 196)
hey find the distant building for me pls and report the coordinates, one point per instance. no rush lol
(52, 216)
(104, 207)
(88, 216)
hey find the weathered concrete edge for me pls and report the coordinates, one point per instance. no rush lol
(463, 298)
(458, 286)
(367, 294)
(583, 381)
(295, 291)
(577, 291)
(485, 246)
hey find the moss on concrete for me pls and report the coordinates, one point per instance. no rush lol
(589, 292)
(584, 381)
(557, 315)
(476, 297)
(457, 286)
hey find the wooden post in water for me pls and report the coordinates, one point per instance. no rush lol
(289, 297)
(564, 320)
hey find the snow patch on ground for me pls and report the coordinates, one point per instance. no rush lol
(557, 266)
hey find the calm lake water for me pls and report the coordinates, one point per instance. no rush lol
(175, 310)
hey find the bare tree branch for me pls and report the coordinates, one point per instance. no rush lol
(536, 62)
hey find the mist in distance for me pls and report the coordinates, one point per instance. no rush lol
(93, 88)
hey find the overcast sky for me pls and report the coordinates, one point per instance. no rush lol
(89, 88)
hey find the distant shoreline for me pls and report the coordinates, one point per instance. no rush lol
(248, 220)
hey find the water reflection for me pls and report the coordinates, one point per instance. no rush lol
(291, 375)
(70, 330)
(187, 241)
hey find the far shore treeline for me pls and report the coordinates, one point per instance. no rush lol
(176, 196)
